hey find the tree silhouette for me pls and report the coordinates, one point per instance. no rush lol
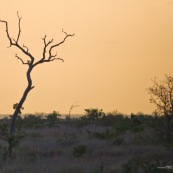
(31, 63)
(162, 96)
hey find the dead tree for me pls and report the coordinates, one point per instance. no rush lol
(31, 63)
(72, 106)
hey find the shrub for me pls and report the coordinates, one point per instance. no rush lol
(122, 126)
(94, 114)
(10, 142)
(79, 150)
(110, 119)
(52, 118)
(31, 120)
(108, 134)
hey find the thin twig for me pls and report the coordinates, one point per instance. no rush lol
(27, 50)
(19, 27)
(26, 63)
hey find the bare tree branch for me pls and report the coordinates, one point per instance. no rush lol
(51, 57)
(27, 50)
(72, 107)
(25, 63)
(161, 95)
(14, 42)
(58, 44)
(8, 36)
(57, 59)
(19, 27)
(45, 46)
(48, 60)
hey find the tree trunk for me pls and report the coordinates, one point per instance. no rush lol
(22, 100)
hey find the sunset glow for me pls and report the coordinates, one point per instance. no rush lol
(118, 47)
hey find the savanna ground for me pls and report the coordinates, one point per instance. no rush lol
(93, 143)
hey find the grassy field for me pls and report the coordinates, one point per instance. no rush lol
(104, 145)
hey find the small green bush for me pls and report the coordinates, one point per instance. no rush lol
(9, 142)
(122, 126)
(52, 118)
(108, 134)
(31, 120)
(94, 114)
(79, 150)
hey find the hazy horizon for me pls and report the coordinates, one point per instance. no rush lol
(118, 47)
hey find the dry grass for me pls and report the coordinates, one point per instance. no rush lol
(50, 150)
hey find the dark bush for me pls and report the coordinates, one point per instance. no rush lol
(79, 150)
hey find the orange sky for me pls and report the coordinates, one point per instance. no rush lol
(118, 47)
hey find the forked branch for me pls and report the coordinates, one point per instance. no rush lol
(51, 56)
(26, 63)
(14, 42)
(58, 44)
